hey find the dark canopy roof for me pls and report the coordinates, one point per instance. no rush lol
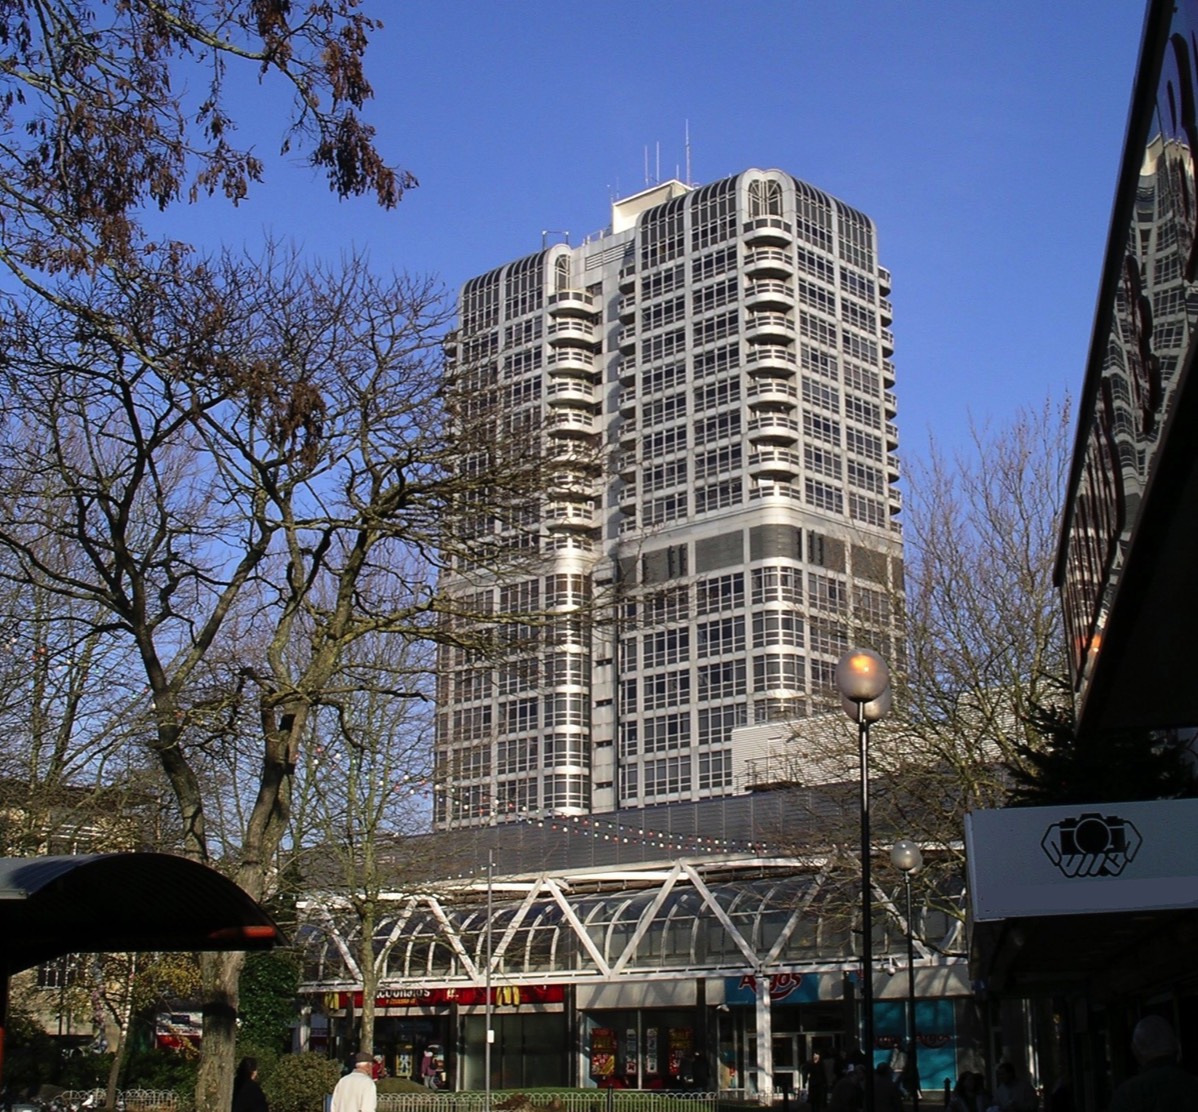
(50, 906)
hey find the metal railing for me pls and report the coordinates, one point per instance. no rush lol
(129, 1100)
(580, 1100)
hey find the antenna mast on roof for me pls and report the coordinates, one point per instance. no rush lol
(688, 152)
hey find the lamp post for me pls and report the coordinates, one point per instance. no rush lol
(906, 855)
(864, 684)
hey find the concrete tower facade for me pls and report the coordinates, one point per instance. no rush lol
(725, 350)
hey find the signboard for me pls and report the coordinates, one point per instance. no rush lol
(1084, 859)
(785, 988)
(467, 996)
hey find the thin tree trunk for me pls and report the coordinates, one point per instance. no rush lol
(121, 1051)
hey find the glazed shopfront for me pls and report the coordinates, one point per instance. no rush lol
(697, 974)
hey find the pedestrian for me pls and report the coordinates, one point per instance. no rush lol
(356, 1091)
(1013, 1093)
(966, 1096)
(247, 1093)
(816, 1076)
(887, 1096)
(429, 1070)
(1160, 1082)
(378, 1069)
(848, 1094)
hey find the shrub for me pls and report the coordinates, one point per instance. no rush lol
(300, 1082)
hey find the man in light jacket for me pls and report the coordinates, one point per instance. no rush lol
(355, 1092)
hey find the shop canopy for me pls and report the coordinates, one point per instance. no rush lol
(51, 906)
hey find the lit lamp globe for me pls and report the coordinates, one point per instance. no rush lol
(906, 855)
(862, 676)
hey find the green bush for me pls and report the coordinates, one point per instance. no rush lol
(300, 1082)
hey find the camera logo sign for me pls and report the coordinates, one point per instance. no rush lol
(1092, 844)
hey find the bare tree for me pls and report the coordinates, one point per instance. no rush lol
(984, 648)
(242, 471)
(100, 120)
(357, 806)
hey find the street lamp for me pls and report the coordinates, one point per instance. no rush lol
(906, 855)
(864, 684)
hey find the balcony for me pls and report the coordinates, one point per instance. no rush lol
(767, 231)
(893, 472)
(770, 293)
(626, 307)
(891, 405)
(570, 515)
(887, 342)
(895, 502)
(886, 312)
(771, 359)
(628, 403)
(628, 340)
(887, 374)
(628, 498)
(773, 463)
(626, 464)
(571, 360)
(570, 391)
(775, 428)
(769, 262)
(627, 278)
(574, 421)
(572, 330)
(627, 372)
(772, 393)
(627, 432)
(892, 440)
(884, 281)
(571, 303)
(770, 327)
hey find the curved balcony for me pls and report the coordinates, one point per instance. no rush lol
(627, 432)
(570, 515)
(776, 428)
(627, 340)
(628, 401)
(772, 393)
(627, 372)
(572, 421)
(767, 231)
(773, 463)
(626, 307)
(884, 281)
(571, 330)
(771, 359)
(770, 328)
(895, 502)
(887, 342)
(885, 311)
(891, 405)
(887, 374)
(627, 278)
(626, 464)
(570, 391)
(893, 472)
(769, 262)
(570, 360)
(570, 303)
(449, 344)
(627, 498)
(769, 293)
(892, 440)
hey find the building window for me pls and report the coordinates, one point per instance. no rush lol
(725, 635)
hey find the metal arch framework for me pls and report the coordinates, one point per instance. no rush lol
(671, 921)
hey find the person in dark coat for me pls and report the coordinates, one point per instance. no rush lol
(1161, 1082)
(247, 1093)
(816, 1077)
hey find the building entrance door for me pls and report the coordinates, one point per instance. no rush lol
(788, 1061)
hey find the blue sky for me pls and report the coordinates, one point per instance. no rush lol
(983, 139)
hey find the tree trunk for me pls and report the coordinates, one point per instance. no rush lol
(370, 979)
(121, 1051)
(214, 1084)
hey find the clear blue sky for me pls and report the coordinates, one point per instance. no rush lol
(983, 139)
